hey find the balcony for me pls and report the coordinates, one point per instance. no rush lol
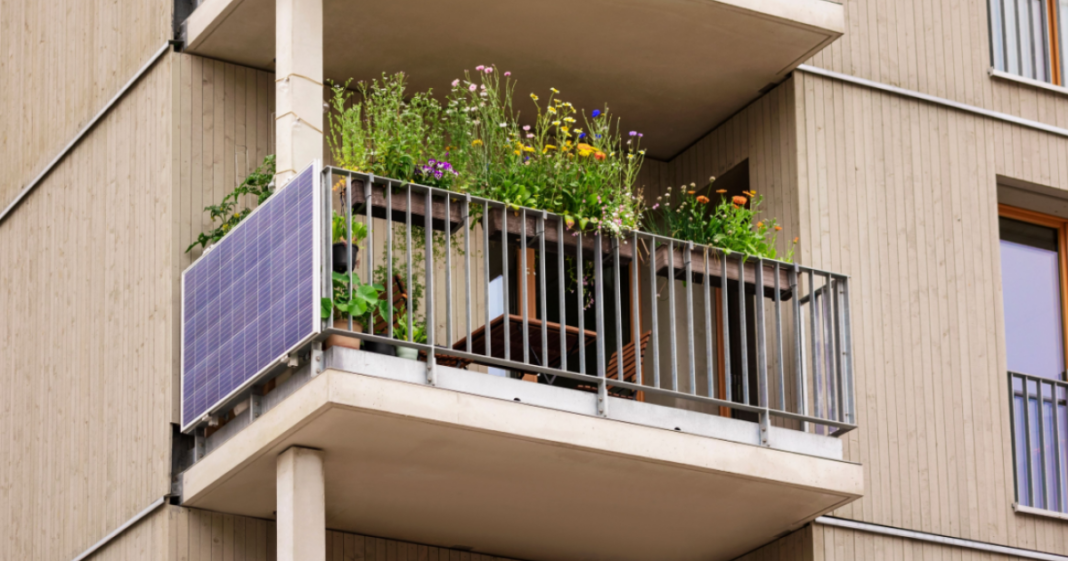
(675, 68)
(682, 403)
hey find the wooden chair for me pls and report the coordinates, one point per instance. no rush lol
(630, 367)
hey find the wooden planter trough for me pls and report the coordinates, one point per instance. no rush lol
(552, 244)
(664, 260)
(397, 210)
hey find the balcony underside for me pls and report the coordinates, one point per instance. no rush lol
(450, 468)
(672, 69)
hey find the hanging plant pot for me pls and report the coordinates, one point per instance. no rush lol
(340, 254)
(344, 340)
(394, 206)
(517, 228)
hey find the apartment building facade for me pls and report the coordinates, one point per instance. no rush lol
(898, 393)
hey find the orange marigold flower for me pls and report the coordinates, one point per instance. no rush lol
(690, 192)
(796, 239)
(760, 224)
(702, 199)
(721, 191)
(778, 228)
(739, 200)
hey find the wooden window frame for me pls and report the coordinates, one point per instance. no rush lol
(1052, 13)
(1061, 226)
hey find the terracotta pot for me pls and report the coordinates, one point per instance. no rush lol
(343, 340)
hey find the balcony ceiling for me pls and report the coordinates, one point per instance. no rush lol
(450, 469)
(672, 69)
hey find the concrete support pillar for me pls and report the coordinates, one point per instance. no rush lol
(301, 506)
(298, 85)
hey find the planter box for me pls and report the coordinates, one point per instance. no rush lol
(397, 210)
(530, 229)
(664, 260)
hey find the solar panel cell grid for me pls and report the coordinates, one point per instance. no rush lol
(250, 299)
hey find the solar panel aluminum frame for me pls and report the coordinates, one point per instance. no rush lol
(318, 244)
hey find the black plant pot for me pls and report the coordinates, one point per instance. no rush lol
(340, 253)
(379, 348)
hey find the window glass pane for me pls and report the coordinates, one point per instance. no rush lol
(997, 46)
(1023, 18)
(1032, 299)
(1012, 38)
(1040, 39)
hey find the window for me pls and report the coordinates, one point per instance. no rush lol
(1027, 38)
(1034, 273)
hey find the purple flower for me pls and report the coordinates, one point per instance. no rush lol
(633, 133)
(489, 70)
(596, 113)
(507, 73)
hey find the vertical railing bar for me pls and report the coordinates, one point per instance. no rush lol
(448, 267)
(1027, 437)
(1058, 468)
(829, 330)
(389, 256)
(724, 303)
(544, 305)
(1042, 448)
(654, 317)
(619, 308)
(761, 337)
(524, 289)
(673, 356)
(636, 313)
(814, 331)
(799, 343)
(598, 301)
(348, 235)
(778, 338)
(691, 369)
(410, 308)
(743, 337)
(1015, 444)
(839, 334)
(847, 352)
(325, 251)
(368, 208)
(709, 351)
(467, 271)
(428, 228)
(487, 339)
(580, 274)
(561, 290)
(504, 262)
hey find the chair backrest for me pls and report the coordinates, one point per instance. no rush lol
(400, 303)
(630, 364)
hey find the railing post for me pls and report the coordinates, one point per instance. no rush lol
(598, 311)
(761, 354)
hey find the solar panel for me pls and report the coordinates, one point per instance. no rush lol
(251, 299)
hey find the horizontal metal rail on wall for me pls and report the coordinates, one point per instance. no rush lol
(797, 368)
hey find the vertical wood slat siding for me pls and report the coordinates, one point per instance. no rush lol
(939, 47)
(87, 287)
(63, 60)
(912, 217)
(843, 544)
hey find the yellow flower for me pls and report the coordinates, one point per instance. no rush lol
(555, 90)
(563, 129)
(517, 153)
(552, 110)
(556, 123)
(534, 97)
(569, 119)
(630, 156)
(476, 142)
(528, 148)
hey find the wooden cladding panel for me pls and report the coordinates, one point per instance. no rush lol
(842, 544)
(902, 196)
(939, 47)
(85, 317)
(63, 60)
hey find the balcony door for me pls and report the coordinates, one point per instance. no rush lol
(1034, 270)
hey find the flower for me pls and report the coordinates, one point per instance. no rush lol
(760, 224)
(529, 135)
(503, 125)
(778, 228)
(507, 73)
(569, 119)
(721, 191)
(632, 133)
(596, 113)
(472, 87)
(528, 149)
(556, 123)
(702, 199)
(534, 97)
(480, 67)
(555, 90)
(489, 70)
(599, 156)
(526, 127)
(456, 82)
(691, 192)
(476, 142)
(797, 238)
(739, 200)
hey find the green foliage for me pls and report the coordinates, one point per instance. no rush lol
(400, 331)
(338, 230)
(584, 172)
(381, 132)
(731, 225)
(230, 211)
(361, 302)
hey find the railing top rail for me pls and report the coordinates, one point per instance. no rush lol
(1031, 377)
(438, 191)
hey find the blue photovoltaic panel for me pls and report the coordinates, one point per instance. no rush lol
(250, 299)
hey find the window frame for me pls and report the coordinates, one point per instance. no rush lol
(1052, 39)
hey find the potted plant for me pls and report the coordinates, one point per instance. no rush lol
(400, 332)
(341, 247)
(359, 301)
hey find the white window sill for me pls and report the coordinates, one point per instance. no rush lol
(1027, 81)
(1021, 509)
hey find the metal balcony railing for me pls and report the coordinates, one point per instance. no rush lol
(672, 321)
(1039, 413)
